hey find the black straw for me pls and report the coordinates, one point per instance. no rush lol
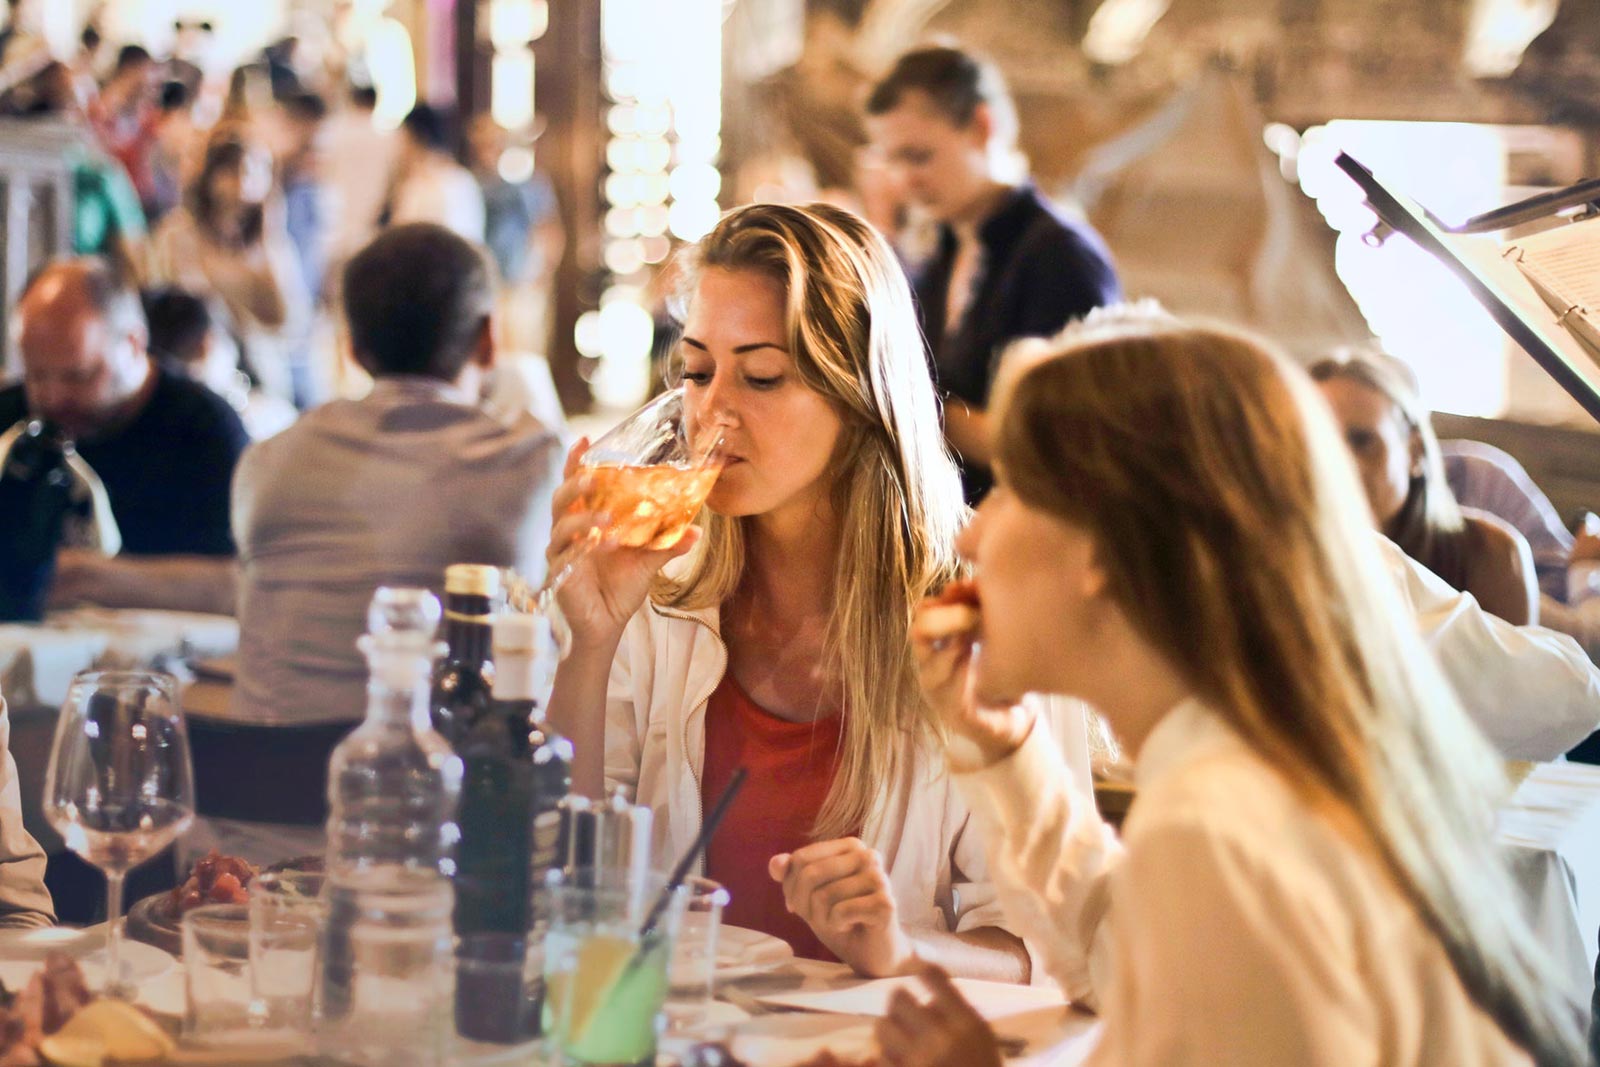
(681, 871)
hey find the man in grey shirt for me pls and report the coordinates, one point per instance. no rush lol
(387, 490)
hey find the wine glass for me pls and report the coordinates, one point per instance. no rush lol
(651, 475)
(120, 786)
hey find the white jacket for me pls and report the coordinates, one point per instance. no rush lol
(666, 668)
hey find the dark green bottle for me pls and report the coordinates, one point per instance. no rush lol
(463, 682)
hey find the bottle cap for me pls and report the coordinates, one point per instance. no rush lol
(515, 634)
(472, 579)
(398, 610)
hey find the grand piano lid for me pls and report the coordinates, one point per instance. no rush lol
(1494, 281)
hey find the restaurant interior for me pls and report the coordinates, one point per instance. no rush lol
(466, 465)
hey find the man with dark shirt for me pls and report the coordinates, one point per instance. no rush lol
(164, 447)
(1008, 264)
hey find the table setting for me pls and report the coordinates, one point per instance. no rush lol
(313, 960)
(766, 1007)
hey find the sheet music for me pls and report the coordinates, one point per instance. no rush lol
(1564, 266)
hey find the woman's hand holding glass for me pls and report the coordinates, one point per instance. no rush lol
(944, 638)
(601, 582)
(842, 892)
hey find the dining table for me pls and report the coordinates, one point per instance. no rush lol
(39, 659)
(782, 1014)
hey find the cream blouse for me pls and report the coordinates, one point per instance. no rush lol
(1231, 925)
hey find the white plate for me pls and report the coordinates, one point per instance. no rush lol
(22, 952)
(742, 952)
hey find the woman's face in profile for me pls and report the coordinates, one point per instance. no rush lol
(1040, 589)
(1384, 447)
(779, 434)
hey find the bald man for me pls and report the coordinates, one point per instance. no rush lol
(164, 446)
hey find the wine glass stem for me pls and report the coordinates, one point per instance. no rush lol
(113, 933)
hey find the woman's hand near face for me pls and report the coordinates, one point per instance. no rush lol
(944, 1032)
(608, 582)
(944, 635)
(840, 889)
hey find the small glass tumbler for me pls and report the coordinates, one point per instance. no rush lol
(248, 976)
(604, 984)
(692, 973)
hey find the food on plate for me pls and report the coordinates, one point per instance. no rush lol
(105, 1032)
(216, 879)
(52, 996)
(952, 613)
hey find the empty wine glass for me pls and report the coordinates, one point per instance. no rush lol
(651, 476)
(120, 786)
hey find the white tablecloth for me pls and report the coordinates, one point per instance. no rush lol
(1552, 830)
(38, 660)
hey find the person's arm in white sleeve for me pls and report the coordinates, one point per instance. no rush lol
(1532, 691)
(24, 900)
(1049, 855)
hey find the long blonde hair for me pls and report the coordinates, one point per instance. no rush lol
(1228, 516)
(852, 333)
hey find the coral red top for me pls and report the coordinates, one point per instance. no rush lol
(791, 769)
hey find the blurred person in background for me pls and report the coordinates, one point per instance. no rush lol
(301, 177)
(187, 338)
(174, 152)
(522, 229)
(228, 240)
(246, 103)
(23, 51)
(1008, 263)
(1490, 479)
(191, 46)
(429, 185)
(1375, 399)
(388, 489)
(358, 159)
(163, 446)
(106, 217)
(86, 64)
(124, 114)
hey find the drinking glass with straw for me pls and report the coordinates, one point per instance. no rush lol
(607, 956)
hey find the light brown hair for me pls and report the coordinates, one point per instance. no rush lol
(1228, 517)
(852, 333)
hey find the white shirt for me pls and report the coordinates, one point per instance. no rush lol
(442, 192)
(666, 668)
(357, 158)
(1532, 691)
(1233, 926)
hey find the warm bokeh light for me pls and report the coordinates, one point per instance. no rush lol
(394, 71)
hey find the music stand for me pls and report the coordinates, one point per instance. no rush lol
(1528, 323)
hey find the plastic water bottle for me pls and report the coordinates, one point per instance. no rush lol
(384, 989)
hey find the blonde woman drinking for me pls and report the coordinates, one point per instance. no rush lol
(1309, 874)
(778, 638)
